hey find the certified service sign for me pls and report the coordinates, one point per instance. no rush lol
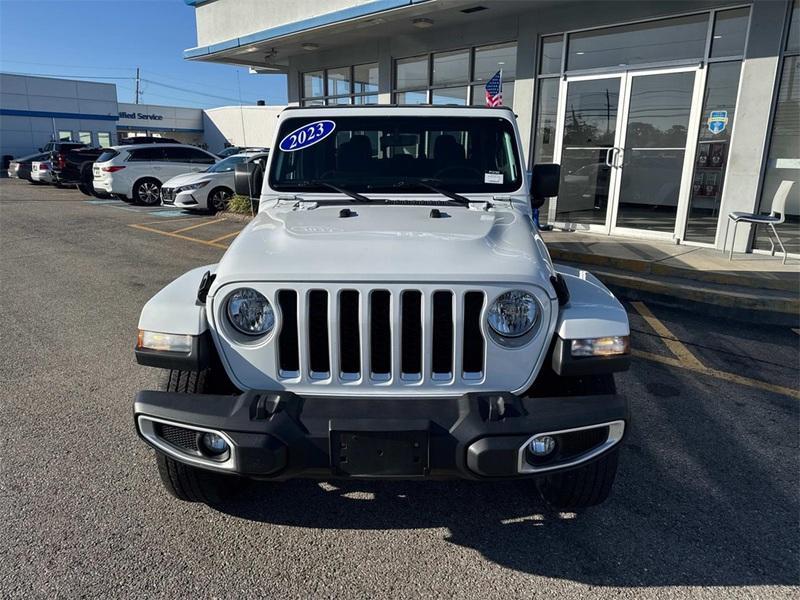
(717, 121)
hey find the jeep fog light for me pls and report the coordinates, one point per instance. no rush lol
(542, 446)
(604, 346)
(165, 342)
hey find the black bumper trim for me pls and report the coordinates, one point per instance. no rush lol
(281, 435)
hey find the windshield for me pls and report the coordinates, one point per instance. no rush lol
(390, 154)
(229, 164)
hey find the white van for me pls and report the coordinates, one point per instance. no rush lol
(135, 173)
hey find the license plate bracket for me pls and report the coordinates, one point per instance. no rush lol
(380, 453)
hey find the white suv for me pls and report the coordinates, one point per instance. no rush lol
(135, 173)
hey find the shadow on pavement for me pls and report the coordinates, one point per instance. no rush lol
(706, 495)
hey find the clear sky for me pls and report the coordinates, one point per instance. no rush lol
(105, 40)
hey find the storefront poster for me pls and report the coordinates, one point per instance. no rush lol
(717, 121)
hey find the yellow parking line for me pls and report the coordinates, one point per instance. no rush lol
(674, 344)
(226, 236)
(731, 377)
(190, 227)
(177, 235)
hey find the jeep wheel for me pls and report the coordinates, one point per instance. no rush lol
(583, 487)
(183, 481)
(147, 192)
(194, 485)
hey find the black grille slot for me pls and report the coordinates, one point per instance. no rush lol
(186, 439)
(288, 352)
(442, 351)
(318, 358)
(411, 338)
(349, 336)
(380, 333)
(473, 340)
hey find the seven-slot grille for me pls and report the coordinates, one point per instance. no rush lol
(379, 336)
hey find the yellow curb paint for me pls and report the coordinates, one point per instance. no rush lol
(730, 377)
(178, 235)
(198, 225)
(226, 236)
(674, 344)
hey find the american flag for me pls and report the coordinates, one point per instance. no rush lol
(494, 90)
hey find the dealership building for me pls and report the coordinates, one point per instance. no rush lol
(665, 115)
(35, 110)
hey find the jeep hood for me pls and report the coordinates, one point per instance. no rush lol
(387, 243)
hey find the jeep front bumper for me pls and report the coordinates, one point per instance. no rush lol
(279, 435)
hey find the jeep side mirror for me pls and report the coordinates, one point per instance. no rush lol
(247, 179)
(544, 181)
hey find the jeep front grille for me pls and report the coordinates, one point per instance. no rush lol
(403, 337)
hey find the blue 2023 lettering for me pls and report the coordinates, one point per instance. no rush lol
(307, 135)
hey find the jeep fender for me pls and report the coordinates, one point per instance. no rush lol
(175, 308)
(593, 311)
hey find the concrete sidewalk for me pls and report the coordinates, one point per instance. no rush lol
(754, 287)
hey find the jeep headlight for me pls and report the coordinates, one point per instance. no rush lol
(250, 312)
(193, 186)
(513, 313)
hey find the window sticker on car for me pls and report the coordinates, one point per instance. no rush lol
(493, 177)
(307, 135)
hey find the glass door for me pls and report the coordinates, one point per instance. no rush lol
(588, 129)
(653, 168)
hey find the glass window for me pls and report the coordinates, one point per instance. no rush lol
(365, 100)
(793, 41)
(85, 137)
(451, 67)
(456, 95)
(390, 154)
(412, 72)
(365, 78)
(681, 38)
(546, 115)
(313, 84)
(338, 101)
(147, 154)
(317, 102)
(479, 94)
(490, 59)
(730, 31)
(411, 97)
(711, 156)
(338, 81)
(783, 162)
(103, 139)
(226, 165)
(64, 135)
(552, 51)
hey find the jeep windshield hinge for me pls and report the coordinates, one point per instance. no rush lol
(205, 286)
(561, 289)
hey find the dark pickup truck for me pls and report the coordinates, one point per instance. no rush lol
(74, 167)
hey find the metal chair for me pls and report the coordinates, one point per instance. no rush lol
(776, 217)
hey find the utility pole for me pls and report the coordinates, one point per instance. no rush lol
(137, 85)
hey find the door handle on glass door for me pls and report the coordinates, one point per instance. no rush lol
(608, 156)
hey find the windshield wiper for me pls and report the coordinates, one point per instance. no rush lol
(458, 198)
(354, 195)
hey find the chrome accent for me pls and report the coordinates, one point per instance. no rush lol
(616, 429)
(145, 424)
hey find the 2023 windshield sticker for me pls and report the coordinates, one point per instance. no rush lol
(307, 135)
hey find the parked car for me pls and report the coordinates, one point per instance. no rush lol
(210, 189)
(135, 173)
(21, 167)
(74, 167)
(391, 312)
(231, 150)
(42, 171)
(146, 139)
(61, 146)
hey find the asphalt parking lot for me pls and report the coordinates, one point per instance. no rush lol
(705, 504)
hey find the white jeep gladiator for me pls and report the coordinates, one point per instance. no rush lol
(390, 312)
